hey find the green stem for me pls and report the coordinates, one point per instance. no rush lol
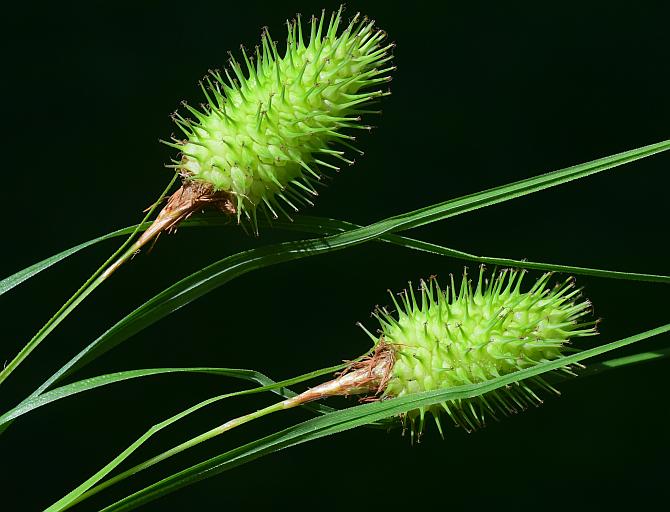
(365, 374)
(98, 277)
(205, 436)
(266, 385)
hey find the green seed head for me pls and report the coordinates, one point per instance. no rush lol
(443, 339)
(267, 131)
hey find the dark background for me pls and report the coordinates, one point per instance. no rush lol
(483, 95)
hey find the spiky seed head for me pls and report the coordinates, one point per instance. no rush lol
(267, 129)
(465, 335)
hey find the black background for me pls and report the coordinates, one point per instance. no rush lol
(483, 95)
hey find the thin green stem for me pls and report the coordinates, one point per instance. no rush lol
(267, 385)
(205, 436)
(363, 379)
(350, 418)
(96, 279)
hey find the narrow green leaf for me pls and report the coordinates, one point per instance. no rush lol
(267, 384)
(112, 378)
(86, 289)
(346, 419)
(516, 190)
(620, 362)
(419, 245)
(23, 275)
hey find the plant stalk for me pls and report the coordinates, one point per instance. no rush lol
(191, 197)
(96, 279)
(369, 375)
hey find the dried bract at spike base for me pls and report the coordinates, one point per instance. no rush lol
(467, 335)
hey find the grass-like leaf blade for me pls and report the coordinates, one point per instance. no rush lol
(267, 384)
(23, 275)
(113, 378)
(517, 189)
(84, 290)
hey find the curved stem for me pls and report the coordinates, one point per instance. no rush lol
(191, 197)
(96, 279)
(368, 374)
(205, 436)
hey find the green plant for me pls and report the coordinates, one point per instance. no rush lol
(261, 138)
(333, 235)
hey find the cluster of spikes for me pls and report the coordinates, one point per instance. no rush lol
(265, 136)
(465, 335)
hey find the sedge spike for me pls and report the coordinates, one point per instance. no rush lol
(263, 138)
(445, 340)
(440, 340)
(262, 134)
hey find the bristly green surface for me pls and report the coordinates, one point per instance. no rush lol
(92, 383)
(255, 150)
(265, 135)
(468, 334)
